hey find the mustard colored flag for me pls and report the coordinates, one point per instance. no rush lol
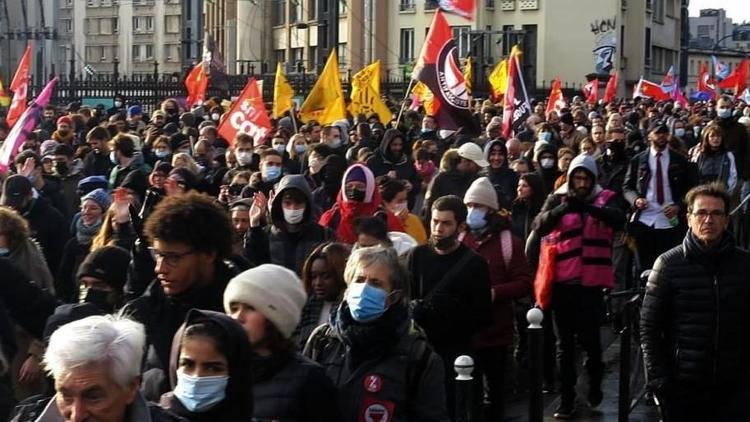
(282, 94)
(424, 96)
(366, 93)
(468, 70)
(4, 98)
(325, 103)
(499, 80)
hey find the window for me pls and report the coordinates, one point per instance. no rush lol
(489, 4)
(703, 31)
(67, 4)
(312, 57)
(149, 23)
(342, 7)
(136, 53)
(149, 51)
(295, 11)
(115, 52)
(406, 49)
(430, 5)
(508, 39)
(407, 6)
(647, 48)
(312, 10)
(92, 3)
(93, 53)
(658, 6)
(280, 56)
(296, 56)
(67, 25)
(92, 26)
(137, 24)
(342, 55)
(172, 24)
(279, 12)
(463, 39)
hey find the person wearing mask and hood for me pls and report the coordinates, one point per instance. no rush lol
(499, 172)
(291, 232)
(358, 197)
(86, 226)
(490, 236)
(209, 372)
(545, 158)
(458, 169)
(323, 280)
(379, 359)
(324, 196)
(267, 302)
(391, 159)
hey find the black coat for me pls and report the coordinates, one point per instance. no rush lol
(681, 176)
(695, 320)
(48, 227)
(96, 164)
(736, 139)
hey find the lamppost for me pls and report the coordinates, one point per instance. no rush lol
(717, 45)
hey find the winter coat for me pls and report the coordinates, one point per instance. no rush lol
(681, 177)
(504, 179)
(383, 162)
(695, 319)
(510, 280)
(450, 182)
(96, 164)
(49, 229)
(275, 243)
(162, 316)
(69, 188)
(30, 259)
(66, 284)
(736, 138)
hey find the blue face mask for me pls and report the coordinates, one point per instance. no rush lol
(545, 136)
(161, 153)
(366, 303)
(475, 218)
(724, 113)
(198, 394)
(300, 148)
(271, 173)
(335, 143)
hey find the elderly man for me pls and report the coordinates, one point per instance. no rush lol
(694, 321)
(96, 365)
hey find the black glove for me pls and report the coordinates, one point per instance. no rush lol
(575, 204)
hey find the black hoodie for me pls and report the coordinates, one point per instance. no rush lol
(383, 160)
(238, 403)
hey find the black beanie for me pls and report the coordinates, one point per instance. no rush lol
(108, 264)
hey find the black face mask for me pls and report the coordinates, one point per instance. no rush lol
(102, 299)
(444, 243)
(355, 194)
(61, 167)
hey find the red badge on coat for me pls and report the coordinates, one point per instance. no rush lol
(374, 410)
(373, 383)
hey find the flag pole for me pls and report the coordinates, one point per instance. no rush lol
(294, 121)
(406, 95)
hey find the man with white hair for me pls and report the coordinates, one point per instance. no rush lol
(96, 365)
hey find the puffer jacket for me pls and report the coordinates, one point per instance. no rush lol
(695, 320)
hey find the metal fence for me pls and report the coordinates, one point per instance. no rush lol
(150, 90)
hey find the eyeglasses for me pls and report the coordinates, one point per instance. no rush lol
(702, 215)
(170, 258)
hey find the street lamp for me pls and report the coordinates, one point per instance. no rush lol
(717, 45)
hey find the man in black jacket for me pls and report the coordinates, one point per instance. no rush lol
(695, 320)
(450, 287)
(655, 185)
(190, 238)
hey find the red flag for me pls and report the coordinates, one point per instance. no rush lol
(20, 87)
(737, 80)
(611, 90)
(650, 89)
(555, 97)
(705, 83)
(438, 67)
(196, 84)
(248, 115)
(591, 91)
(516, 108)
(463, 8)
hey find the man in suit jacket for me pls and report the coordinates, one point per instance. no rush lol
(655, 186)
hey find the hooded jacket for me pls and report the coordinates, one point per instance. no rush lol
(276, 243)
(238, 403)
(342, 216)
(548, 175)
(383, 160)
(504, 179)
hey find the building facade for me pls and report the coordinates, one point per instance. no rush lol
(123, 37)
(23, 22)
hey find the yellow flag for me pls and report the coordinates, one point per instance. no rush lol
(282, 94)
(4, 98)
(325, 103)
(425, 96)
(499, 79)
(366, 93)
(468, 69)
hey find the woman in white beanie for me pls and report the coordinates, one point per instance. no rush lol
(267, 301)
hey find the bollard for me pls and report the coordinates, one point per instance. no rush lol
(464, 366)
(536, 350)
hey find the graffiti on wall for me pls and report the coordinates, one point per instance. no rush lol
(605, 44)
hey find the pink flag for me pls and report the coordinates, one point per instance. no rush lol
(24, 126)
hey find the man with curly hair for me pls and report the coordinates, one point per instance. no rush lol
(191, 239)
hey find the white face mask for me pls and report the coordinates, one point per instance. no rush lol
(399, 207)
(547, 163)
(293, 216)
(244, 158)
(215, 117)
(280, 148)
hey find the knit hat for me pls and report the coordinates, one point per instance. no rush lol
(482, 192)
(134, 110)
(108, 264)
(274, 291)
(48, 147)
(65, 120)
(356, 175)
(91, 183)
(100, 196)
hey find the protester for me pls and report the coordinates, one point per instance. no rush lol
(394, 193)
(499, 172)
(713, 160)
(458, 169)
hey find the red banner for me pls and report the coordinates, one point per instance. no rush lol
(196, 84)
(248, 115)
(611, 90)
(20, 87)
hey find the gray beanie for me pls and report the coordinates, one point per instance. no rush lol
(274, 291)
(482, 192)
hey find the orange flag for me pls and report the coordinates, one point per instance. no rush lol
(196, 84)
(248, 115)
(20, 87)
(555, 97)
(611, 90)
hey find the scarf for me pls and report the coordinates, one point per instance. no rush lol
(369, 340)
(84, 233)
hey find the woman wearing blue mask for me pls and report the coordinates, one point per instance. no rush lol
(209, 370)
(379, 359)
(267, 301)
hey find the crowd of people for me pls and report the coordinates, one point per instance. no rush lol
(154, 271)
